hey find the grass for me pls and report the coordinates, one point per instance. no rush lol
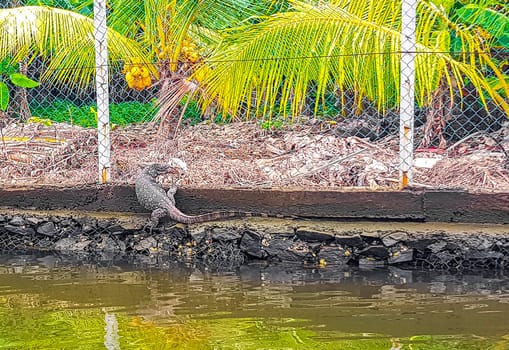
(132, 112)
(124, 113)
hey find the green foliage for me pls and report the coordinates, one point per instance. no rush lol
(496, 84)
(84, 7)
(490, 20)
(86, 115)
(194, 114)
(4, 96)
(495, 22)
(9, 72)
(63, 39)
(271, 124)
(124, 113)
(336, 45)
(131, 112)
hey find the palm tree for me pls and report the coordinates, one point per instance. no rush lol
(150, 33)
(164, 28)
(338, 45)
(489, 21)
(63, 39)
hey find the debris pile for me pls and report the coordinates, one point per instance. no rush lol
(313, 154)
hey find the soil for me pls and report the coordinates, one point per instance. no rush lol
(306, 155)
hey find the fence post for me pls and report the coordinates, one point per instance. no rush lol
(407, 81)
(102, 90)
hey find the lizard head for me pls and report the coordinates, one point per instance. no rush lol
(156, 169)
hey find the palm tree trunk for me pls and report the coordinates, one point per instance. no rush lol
(437, 116)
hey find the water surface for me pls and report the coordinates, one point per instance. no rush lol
(49, 302)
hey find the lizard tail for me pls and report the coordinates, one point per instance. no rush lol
(219, 215)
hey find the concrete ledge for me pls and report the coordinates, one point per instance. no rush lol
(415, 205)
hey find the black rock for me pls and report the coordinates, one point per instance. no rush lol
(371, 262)
(377, 251)
(285, 249)
(251, 244)
(314, 246)
(66, 222)
(445, 260)
(455, 246)
(334, 255)
(372, 235)
(32, 220)
(108, 244)
(87, 224)
(3, 218)
(44, 244)
(437, 246)
(55, 219)
(199, 235)
(81, 244)
(104, 224)
(47, 229)
(402, 256)
(146, 244)
(308, 235)
(88, 229)
(17, 221)
(121, 246)
(225, 234)
(115, 229)
(20, 230)
(352, 241)
(66, 244)
(420, 244)
(501, 246)
(394, 238)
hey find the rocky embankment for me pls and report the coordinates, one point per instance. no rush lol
(229, 244)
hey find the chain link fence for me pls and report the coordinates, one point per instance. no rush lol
(324, 109)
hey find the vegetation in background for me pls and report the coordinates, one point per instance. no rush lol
(123, 113)
(491, 16)
(63, 40)
(268, 58)
(9, 74)
(331, 44)
(491, 19)
(193, 113)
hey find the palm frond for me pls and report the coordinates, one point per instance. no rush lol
(64, 39)
(353, 45)
(312, 44)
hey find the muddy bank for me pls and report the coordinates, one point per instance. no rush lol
(229, 244)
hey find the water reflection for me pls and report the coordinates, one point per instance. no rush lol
(289, 304)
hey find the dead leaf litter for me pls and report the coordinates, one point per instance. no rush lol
(244, 155)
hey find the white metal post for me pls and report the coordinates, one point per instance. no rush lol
(407, 81)
(102, 90)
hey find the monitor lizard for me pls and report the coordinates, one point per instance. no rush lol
(152, 196)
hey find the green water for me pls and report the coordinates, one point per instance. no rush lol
(50, 303)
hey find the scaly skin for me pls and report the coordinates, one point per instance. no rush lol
(151, 196)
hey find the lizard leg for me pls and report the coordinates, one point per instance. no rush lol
(171, 194)
(157, 215)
